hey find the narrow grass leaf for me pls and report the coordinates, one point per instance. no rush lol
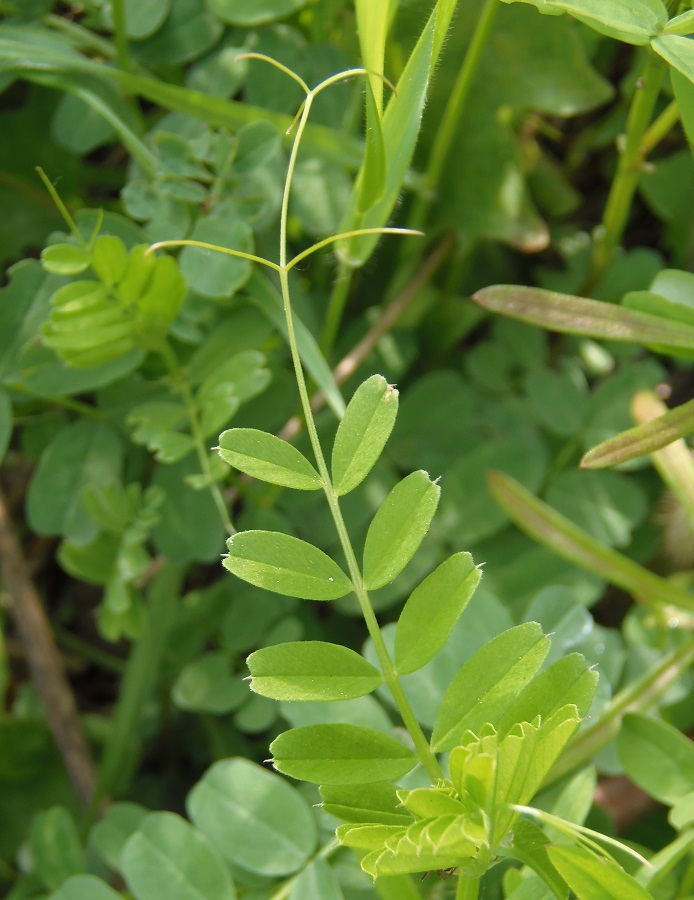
(268, 458)
(373, 21)
(591, 876)
(253, 817)
(657, 757)
(340, 754)
(642, 439)
(432, 610)
(286, 565)
(488, 683)
(576, 315)
(311, 670)
(398, 528)
(363, 432)
(168, 858)
(567, 540)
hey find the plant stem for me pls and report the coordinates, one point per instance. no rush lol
(633, 152)
(453, 112)
(120, 35)
(660, 128)
(427, 758)
(182, 383)
(468, 887)
(336, 308)
(138, 682)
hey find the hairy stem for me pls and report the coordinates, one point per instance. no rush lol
(427, 758)
(633, 153)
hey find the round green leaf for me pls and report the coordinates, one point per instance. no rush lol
(267, 457)
(623, 20)
(55, 846)
(254, 818)
(363, 432)
(85, 887)
(207, 685)
(340, 754)
(253, 12)
(110, 834)
(65, 259)
(657, 757)
(432, 610)
(398, 528)
(211, 272)
(286, 565)
(168, 858)
(311, 670)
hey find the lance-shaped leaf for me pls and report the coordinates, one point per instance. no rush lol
(576, 315)
(589, 875)
(682, 24)
(642, 439)
(286, 565)
(363, 432)
(624, 20)
(569, 541)
(311, 670)
(398, 528)
(340, 754)
(488, 683)
(432, 610)
(268, 458)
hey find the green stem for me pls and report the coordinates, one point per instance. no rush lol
(181, 382)
(336, 308)
(120, 35)
(427, 758)
(468, 888)
(55, 196)
(660, 128)
(609, 232)
(453, 113)
(140, 677)
(637, 697)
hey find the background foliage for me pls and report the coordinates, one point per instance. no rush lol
(539, 143)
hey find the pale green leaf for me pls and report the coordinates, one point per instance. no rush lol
(678, 51)
(363, 432)
(65, 259)
(373, 175)
(398, 528)
(318, 879)
(682, 24)
(286, 565)
(487, 685)
(254, 818)
(268, 458)
(432, 610)
(364, 803)
(110, 834)
(311, 670)
(340, 754)
(591, 876)
(657, 757)
(167, 857)
(623, 20)
(373, 21)
(84, 887)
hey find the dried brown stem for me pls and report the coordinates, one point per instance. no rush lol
(45, 662)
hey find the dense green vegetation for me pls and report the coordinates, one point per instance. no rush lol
(256, 254)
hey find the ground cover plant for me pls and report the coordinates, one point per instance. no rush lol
(280, 483)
